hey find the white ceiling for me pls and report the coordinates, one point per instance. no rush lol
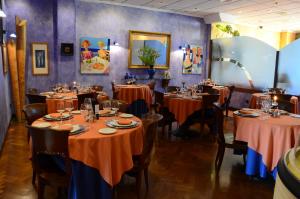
(276, 15)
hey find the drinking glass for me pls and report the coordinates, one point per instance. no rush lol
(115, 106)
(106, 105)
(84, 111)
(60, 107)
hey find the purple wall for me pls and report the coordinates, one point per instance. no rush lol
(102, 20)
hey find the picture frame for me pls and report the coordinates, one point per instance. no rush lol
(4, 58)
(67, 49)
(40, 58)
(161, 42)
(193, 61)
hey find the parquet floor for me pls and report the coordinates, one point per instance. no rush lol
(180, 169)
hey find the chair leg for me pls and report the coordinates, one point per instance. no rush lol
(146, 178)
(138, 184)
(244, 159)
(41, 187)
(219, 158)
(33, 176)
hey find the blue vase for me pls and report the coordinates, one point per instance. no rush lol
(151, 72)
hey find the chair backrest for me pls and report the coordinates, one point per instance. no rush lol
(82, 96)
(228, 98)
(150, 124)
(159, 98)
(151, 85)
(50, 142)
(286, 105)
(32, 90)
(123, 106)
(35, 98)
(208, 100)
(97, 87)
(34, 111)
(172, 88)
(114, 90)
(219, 120)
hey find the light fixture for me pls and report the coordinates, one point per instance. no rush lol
(2, 14)
(116, 43)
(13, 35)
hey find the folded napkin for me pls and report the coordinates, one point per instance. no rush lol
(124, 121)
(102, 112)
(54, 115)
(246, 112)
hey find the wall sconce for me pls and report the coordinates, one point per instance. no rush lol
(2, 14)
(116, 43)
(13, 35)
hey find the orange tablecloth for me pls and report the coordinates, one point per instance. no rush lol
(271, 137)
(111, 154)
(182, 107)
(255, 96)
(223, 91)
(52, 102)
(131, 93)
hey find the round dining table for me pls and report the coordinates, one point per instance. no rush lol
(182, 107)
(268, 139)
(139, 97)
(255, 97)
(100, 160)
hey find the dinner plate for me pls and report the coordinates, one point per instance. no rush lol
(107, 131)
(254, 114)
(75, 129)
(77, 112)
(42, 125)
(294, 115)
(111, 113)
(114, 124)
(65, 116)
(126, 115)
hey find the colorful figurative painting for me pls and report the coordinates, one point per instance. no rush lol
(94, 55)
(192, 60)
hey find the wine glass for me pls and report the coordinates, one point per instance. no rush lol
(83, 111)
(115, 106)
(106, 105)
(69, 106)
(60, 107)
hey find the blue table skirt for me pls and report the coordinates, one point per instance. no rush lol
(256, 166)
(138, 108)
(86, 182)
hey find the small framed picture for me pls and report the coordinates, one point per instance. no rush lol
(4, 58)
(67, 49)
(40, 58)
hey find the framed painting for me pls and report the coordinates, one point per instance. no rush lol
(4, 58)
(161, 42)
(94, 55)
(192, 60)
(40, 58)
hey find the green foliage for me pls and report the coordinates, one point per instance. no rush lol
(148, 55)
(228, 29)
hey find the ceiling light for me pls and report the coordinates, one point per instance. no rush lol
(2, 14)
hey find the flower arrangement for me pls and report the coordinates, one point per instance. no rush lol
(148, 55)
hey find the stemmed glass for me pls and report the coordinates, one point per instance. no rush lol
(115, 106)
(107, 105)
(69, 106)
(60, 107)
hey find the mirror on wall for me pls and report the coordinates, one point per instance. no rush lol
(159, 41)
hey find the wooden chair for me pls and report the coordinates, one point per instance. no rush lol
(142, 162)
(35, 98)
(97, 88)
(225, 106)
(32, 90)
(286, 105)
(123, 106)
(207, 105)
(115, 92)
(225, 141)
(50, 142)
(82, 96)
(172, 88)
(168, 117)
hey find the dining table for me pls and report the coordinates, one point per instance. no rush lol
(53, 99)
(267, 137)
(138, 96)
(223, 91)
(98, 159)
(255, 98)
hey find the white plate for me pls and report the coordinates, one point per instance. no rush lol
(107, 131)
(76, 112)
(114, 124)
(246, 115)
(126, 115)
(295, 115)
(42, 125)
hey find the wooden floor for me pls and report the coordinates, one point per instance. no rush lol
(180, 169)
